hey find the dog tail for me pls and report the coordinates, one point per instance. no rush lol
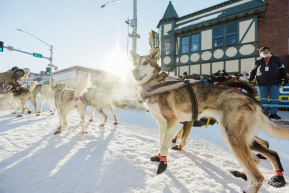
(32, 86)
(82, 86)
(117, 104)
(252, 91)
(272, 128)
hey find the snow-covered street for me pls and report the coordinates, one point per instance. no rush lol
(116, 158)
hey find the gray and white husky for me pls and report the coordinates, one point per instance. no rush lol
(68, 99)
(239, 115)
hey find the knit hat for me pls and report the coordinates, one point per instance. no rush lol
(26, 69)
(185, 73)
(262, 49)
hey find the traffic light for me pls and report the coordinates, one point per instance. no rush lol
(1, 46)
(48, 71)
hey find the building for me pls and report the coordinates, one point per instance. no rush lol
(224, 36)
(72, 75)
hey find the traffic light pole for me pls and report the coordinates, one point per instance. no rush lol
(26, 52)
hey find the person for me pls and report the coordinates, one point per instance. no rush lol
(203, 80)
(244, 76)
(14, 75)
(185, 74)
(269, 71)
(216, 78)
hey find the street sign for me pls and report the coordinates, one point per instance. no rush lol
(10, 48)
(136, 35)
(37, 55)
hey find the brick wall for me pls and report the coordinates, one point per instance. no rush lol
(273, 29)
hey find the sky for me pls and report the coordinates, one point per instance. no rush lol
(81, 32)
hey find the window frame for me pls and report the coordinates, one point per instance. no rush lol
(214, 38)
(181, 47)
(195, 42)
(236, 34)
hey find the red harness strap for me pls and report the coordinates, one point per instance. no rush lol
(279, 173)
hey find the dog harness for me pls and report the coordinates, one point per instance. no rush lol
(168, 83)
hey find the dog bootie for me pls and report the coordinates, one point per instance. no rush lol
(85, 132)
(21, 115)
(277, 181)
(115, 123)
(239, 175)
(90, 120)
(162, 165)
(14, 113)
(39, 111)
(37, 114)
(58, 132)
(260, 156)
(175, 139)
(52, 113)
(102, 125)
(156, 158)
(29, 112)
(177, 147)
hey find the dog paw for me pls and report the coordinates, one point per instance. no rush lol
(39, 111)
(20, 115)
(37, 114)
(239, 175)
(85, 132)
(177, 147)
(13, 113)
(115, 123)
(260, 156)
(52, 113)
(90, 120)
(155, 159)
(277, 181)
(29, 112)
(162, 167)
(174, 140)
(102, 125)
(57, 132)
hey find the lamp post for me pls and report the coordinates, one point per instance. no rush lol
(51, 52)
(133, 22)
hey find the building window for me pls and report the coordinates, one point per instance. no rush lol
(185, 44)
(195, 43)
(231, 34)
(167, 46)
(219, 37)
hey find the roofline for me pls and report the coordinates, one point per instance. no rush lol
(81, 67)
(214, 20)
(206, 10)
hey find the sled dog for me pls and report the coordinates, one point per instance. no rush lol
(239, 115)
(46, 95)
(68, 99)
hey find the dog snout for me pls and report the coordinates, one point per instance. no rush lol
(135, 72)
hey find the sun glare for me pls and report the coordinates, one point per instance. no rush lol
(118, 63)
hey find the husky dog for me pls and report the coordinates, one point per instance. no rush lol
(68, 99)
(259, 145)
(239, 115)
(46, 95)
(23, 94)
(98, 99)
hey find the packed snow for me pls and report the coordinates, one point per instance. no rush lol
(116, 158)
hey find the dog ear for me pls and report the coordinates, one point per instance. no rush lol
(134, 55)
(155, 53)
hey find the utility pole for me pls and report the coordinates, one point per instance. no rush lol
(127, 22)
(133, 22)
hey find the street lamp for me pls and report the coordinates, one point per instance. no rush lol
(133, 22)
(51, 52)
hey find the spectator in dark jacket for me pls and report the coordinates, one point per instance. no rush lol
(269, 71)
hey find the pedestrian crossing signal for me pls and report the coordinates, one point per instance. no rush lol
(47, 71)
(1, 46)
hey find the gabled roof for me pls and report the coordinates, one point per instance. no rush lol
(170, 13)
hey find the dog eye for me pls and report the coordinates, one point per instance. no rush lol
(145, 63)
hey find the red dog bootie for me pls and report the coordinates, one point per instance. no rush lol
(175, 139)
(177, 147)
(156, 158)
(278, 180)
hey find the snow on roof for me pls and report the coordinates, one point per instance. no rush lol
(201, 20)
